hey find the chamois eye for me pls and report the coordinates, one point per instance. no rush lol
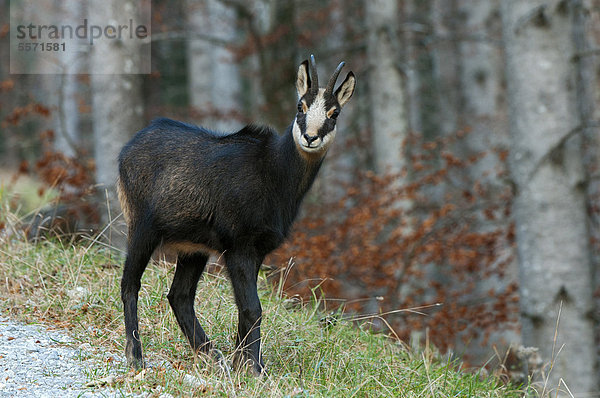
(333, 114)
(300, 107)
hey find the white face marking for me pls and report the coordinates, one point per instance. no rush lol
(315, 118)
(318, 145)
(316, 114)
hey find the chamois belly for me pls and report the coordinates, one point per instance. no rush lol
(187, 247)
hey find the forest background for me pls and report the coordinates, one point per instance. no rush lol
(463, 182)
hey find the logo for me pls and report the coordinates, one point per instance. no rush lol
(73, 36)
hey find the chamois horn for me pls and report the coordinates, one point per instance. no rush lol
(332, 80)
(313, 74)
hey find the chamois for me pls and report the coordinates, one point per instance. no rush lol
(198, 192)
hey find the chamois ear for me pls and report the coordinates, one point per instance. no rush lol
(346, 89)
(303, 81)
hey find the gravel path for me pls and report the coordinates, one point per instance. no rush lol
(35, 362)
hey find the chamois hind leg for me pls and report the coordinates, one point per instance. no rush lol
(243, 274)
(181, 297)
(142, 243)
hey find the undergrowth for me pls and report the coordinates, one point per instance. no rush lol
(76, 287)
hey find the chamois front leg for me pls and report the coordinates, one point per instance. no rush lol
(139, 251)
(243, 273)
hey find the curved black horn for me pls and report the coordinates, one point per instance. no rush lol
(313, 74)
(332, 80)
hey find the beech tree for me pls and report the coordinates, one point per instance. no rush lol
(117, 105)
(67, 119)
(550, 210)
(214, 81)
(387, 86)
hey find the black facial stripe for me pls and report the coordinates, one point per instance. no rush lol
(331, 102)
(327, 127)
(301, 120)
(309, 98)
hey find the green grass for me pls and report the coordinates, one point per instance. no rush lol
(76, 287)
(24, 193)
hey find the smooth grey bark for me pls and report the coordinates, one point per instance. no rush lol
(483, 107)
(117, 105)
(549, 210)
(387, 86)
(199, 56)
(586, 35)
(445, 48)
(482, 111)
(67, 137)
(412, 68)
(214, 79)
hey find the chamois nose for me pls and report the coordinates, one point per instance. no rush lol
(309, 139)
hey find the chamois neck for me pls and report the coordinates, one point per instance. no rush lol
(302, 168)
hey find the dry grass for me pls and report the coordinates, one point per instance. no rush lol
(76, 287)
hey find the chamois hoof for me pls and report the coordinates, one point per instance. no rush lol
(213, 355)
(136, 364)
(133, 353)
(242, 362)
(217, 355)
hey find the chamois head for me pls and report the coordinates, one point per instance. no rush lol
(318, 108)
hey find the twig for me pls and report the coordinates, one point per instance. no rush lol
(585, 53)
(413, 310)
(554, 353)
(185, 35)
(538, 13)
(561, 142)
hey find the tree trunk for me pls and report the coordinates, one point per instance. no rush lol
(482, 111)
(67, 138)
(445, 65)
(387, 86)
(412, 51)
(278, 48)
(116, 102)
(214, 80)
(586, 35)
(550, 213)
(483, 107)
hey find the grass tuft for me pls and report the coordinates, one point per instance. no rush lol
(76, 287)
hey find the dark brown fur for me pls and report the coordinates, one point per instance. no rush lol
(195, 192)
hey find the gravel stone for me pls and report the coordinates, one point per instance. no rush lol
(35, 362)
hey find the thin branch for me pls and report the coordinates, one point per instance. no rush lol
(62, 117)
(560, 144)
(185, 35)
(538, 15)
(245, 14)
(414, 310)
(474, 38)
(585, 53)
